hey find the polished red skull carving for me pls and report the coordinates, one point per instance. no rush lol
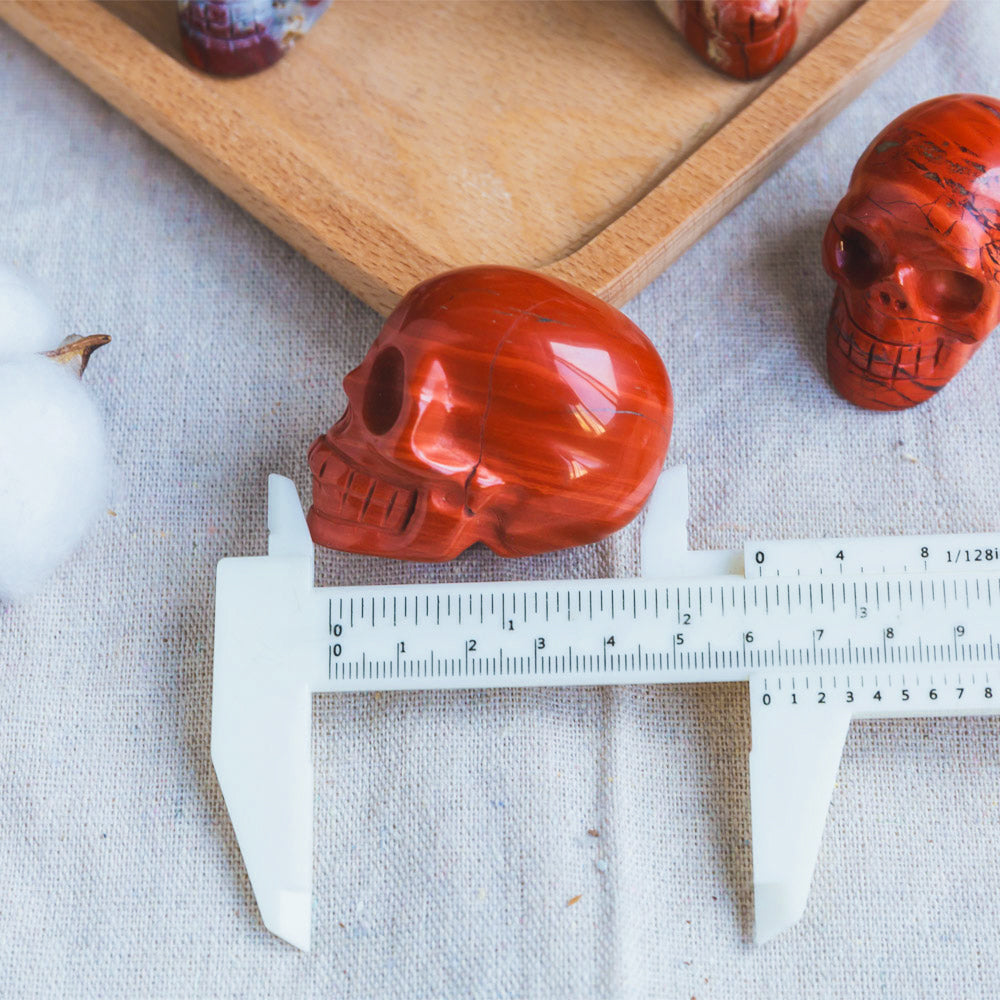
(914, 247)
(741, 38)
(496, 405)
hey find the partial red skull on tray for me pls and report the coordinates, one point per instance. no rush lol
(914, 247)
(742, 38)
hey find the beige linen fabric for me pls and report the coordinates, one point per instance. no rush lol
(452, 828)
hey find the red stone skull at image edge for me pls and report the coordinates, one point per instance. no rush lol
(496, 405)
(742, 38)
(914, 247)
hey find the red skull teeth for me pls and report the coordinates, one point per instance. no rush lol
(876, 373)
(885, 360)
(351, 496)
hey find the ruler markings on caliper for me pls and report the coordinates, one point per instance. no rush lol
(881, 624)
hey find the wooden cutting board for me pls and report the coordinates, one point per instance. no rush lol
(400, 139)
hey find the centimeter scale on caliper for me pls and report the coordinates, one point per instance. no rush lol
(823, 631)
(634, 631)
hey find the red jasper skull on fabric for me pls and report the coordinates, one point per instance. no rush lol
(914, 247)
(496, 405)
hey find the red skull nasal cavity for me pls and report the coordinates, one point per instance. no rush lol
(913, 247)
(893, 298)
(496, 405)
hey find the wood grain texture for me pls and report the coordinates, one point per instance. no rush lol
(401, 139)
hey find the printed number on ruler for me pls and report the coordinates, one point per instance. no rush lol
(885, 692)
(855, 556)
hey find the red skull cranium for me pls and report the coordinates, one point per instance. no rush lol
(496, 405)
(743, 38)
(914, 247)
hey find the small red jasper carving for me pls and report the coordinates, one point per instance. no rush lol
(914, 247)
(741, 38)
(496, 405)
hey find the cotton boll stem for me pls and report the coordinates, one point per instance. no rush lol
(75, 352)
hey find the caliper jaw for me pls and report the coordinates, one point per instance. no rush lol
(262, 714)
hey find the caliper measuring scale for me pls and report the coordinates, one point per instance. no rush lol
(823, 631)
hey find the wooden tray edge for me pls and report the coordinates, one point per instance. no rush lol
(353, 245)
(642, 242)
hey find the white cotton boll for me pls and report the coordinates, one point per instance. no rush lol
(28, 321)
(53, 473)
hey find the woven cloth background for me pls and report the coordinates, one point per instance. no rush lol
(452, 829)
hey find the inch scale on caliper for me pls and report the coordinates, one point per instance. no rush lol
(823, 631)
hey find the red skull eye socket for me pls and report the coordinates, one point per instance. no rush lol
(383, 392)
(951, 293)
(859, 259)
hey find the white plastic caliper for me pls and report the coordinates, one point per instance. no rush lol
(823, 630)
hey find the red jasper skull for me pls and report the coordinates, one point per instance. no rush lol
(743, 38)
(914, 247)
(496, 405)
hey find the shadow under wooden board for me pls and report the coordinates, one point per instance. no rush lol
(400, 139)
